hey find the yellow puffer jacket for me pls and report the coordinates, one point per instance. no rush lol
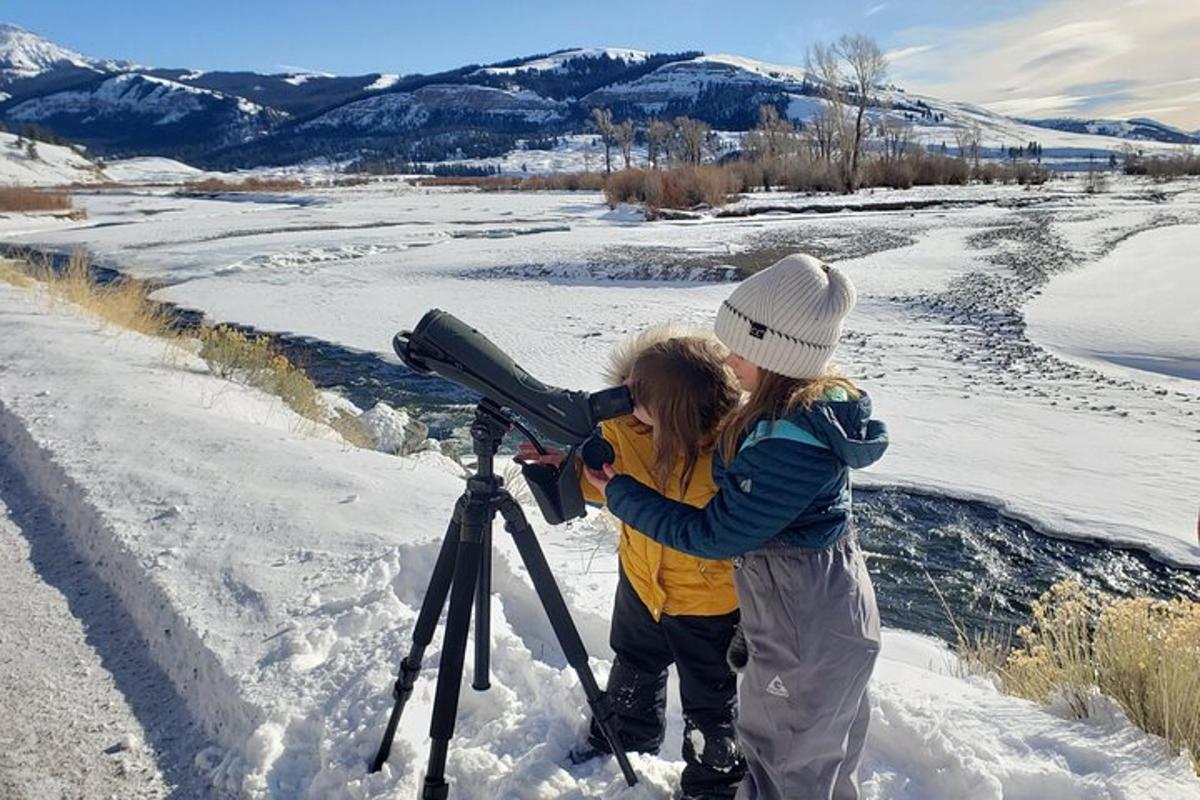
(666, 580)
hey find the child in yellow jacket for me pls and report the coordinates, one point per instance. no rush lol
(671, 607)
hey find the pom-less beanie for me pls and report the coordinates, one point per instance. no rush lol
(788, 317)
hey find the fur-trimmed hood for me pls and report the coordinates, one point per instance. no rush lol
(620, 363)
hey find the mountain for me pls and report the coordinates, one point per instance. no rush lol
(133, 113)
(231, 119)
(295, 93)
(31, 64)
(1140, 129)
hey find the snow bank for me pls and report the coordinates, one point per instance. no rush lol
(1135, 310)
(276, 577)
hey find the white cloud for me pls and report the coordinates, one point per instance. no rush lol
(893, 56)
(875, 9)
(1095, 59)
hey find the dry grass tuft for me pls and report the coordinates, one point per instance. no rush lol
(28, 199)
(11, 273)
(229, 353)
(123, 303)
(1142, 653)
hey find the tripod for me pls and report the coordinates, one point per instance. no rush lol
(463, 569)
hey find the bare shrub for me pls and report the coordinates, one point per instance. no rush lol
(554, 181)
(255, 361)
(683, 187)
(252, 184)
(1140, 652)
(1164, 167)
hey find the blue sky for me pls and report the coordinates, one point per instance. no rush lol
(1033, 57)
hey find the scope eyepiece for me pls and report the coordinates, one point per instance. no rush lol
(610, 403)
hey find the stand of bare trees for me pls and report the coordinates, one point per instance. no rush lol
(849, 70)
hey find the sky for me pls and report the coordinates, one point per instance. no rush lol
(1033, 58)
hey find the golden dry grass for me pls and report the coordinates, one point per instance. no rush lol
(122, 303)
(255, 361)
(229, 353)
(27, 199)
(12, 273)
(1140, 652)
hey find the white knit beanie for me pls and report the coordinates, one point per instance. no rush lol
(788, 317)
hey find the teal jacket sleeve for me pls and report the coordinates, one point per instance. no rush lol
(764, 490)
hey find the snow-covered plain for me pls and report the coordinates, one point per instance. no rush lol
(275, 574)
(977, 409)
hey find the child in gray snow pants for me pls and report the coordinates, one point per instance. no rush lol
(783, 506)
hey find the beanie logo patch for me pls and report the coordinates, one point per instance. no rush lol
(758, 330)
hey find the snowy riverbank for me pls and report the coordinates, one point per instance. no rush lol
(979, 411)
(275, 575)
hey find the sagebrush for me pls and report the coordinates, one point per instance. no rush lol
(1141, 652)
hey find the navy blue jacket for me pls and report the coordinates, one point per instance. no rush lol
(788, 484)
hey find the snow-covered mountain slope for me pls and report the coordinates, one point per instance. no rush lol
(440, 106)
(560, 61)
(680, 84)
(133, 112)
(49, 164)
(1139, 129)
(25, 55)
(297, 93)
(32, 64)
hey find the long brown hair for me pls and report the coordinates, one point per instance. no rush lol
(684, 384)
(775, 396)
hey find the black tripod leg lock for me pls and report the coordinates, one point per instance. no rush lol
(406, 680)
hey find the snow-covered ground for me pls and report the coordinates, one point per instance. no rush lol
(977, 409)
(275, 574)
(1129, 309)
(48, 165)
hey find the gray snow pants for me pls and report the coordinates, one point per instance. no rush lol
(812, 630)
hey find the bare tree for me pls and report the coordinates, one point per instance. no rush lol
(867, 70)
(623, 134)
(968, 139)
(602, 118)
(773, 145)
(848, 70)
(896, 134)
(824, 134)
(658, 137)
(691, 138)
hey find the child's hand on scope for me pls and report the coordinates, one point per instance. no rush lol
(528, 454)
(600, 479)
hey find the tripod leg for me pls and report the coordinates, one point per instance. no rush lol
(564, 627)
(483, 613)
(475, 519)
(431, 609)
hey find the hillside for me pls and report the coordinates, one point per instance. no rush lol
(48, 165)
